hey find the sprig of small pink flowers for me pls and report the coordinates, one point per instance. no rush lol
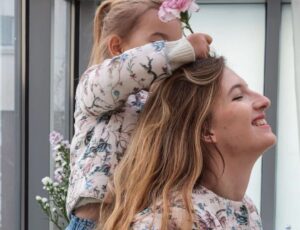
(57, 188)
(181, 9)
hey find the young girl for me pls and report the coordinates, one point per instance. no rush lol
(111, 92)
(189, 161)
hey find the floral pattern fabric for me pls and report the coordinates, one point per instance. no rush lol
(212, 212)
(109, 98)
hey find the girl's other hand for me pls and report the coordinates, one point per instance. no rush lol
(201, 43)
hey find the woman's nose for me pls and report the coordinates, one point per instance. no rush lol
(261, 102)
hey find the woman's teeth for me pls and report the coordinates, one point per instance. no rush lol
(260, 122)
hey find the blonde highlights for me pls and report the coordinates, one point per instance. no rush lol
(165, 156)
(116, 17)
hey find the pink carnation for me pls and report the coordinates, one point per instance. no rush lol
(171, 9)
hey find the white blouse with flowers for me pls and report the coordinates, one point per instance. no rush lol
(109, 98)
(212, 212)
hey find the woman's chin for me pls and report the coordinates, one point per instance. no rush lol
(269, 142)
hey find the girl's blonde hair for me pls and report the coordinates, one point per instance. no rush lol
(117, 17)
(167, 153)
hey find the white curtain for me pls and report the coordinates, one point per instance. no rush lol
(296, 31)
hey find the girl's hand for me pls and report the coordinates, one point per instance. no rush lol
(201, 43)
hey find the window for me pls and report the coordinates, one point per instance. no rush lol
(61, 80)
(49, 93)
(60, 68)
(10, 144)
(7, 28)
(288, 157)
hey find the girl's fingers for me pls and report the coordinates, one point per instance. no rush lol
(208, 48)
(208, 38)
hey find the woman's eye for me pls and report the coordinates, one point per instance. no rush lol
(237, 98)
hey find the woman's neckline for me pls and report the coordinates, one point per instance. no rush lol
(202, 190)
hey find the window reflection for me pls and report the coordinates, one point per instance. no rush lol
(9, 119)
(7, 27)
(60, 111)
(60, 71)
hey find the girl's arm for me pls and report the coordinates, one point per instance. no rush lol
(107, 86)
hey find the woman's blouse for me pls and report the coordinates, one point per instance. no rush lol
(211, 212)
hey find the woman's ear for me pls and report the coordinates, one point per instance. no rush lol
(115, 45)
(208, 134)
(209, 137)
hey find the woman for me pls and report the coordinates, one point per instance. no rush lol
(189, 162)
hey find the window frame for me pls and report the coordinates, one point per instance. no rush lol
(36, 102)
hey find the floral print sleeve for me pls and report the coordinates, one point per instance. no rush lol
(109, 98)
(107, 86)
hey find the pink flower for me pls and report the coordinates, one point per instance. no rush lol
(58, 175)
(171, 9)
(55, 138)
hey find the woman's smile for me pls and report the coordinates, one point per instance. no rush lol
(261, 122)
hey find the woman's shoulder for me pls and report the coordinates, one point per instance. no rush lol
(150, 218)
(217, 212)
(208, 208)
(146, 219)
(210, 212)
(250, 204)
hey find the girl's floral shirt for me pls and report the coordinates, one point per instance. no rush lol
(109, 98)
(212, 212)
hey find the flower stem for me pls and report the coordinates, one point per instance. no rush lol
(189, 27)
(185, 18)
(187, 23)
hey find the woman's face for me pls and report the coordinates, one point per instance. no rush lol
(239, 123)
(150, 28)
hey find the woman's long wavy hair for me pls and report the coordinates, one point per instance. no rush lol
(167, 152)
(116, 17)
